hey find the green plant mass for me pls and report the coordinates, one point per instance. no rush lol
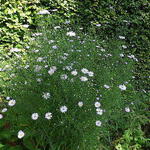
(74, 75)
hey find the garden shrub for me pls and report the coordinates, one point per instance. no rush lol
(74, 91)
(16, 16)
(133, 140)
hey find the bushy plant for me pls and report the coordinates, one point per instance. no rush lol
(15, 18)
(74, 91)
(133, 139)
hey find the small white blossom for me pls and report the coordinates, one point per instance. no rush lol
(21, 134)
(12, 102)
(43, 12)
(4, 110)
(98, 123)
(63, 109)
(121, 55)
(1, 116)
(122, 87)
(34, 116)
(91, 74)
(74, 73)
(63, 76)
(48, 115)
(97, 104)
(71, 33)
(84, 79)
(98, 25)
(84, 70)
(127, 109)
(52, 70)
(124, 46)
(121, 37)
(46, 95)
(54, 47)
(7, 98)
(99, 111)
(106, 86)
(25, 25)
(80, 104)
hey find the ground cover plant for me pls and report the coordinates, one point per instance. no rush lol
(73, 91)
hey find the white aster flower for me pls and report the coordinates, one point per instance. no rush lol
(97, 104)
(48, 115)
(52, 70)
(122, 87)
(43, 12)
(121, 55)
(54, 47)
(91, 74)
(84, 79)
(63, 76)
(121, 37)
(74, 73)
(21, 134)
(71, 33)
(7, 98)
(25, 25)
(124, 46)
(34, 116)
(98, 123)
(4, 110)
(63, 109)
(1, 116)
(127, 109)
(98, 25)
(80, 104)
(99, 111)
(12, 102)
(46, 95)
(106, 86)
(84, 70)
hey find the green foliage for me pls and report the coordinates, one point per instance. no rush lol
(14, 16)
(30, 80)
(133, 139)
(105, 19)
(128, 18)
